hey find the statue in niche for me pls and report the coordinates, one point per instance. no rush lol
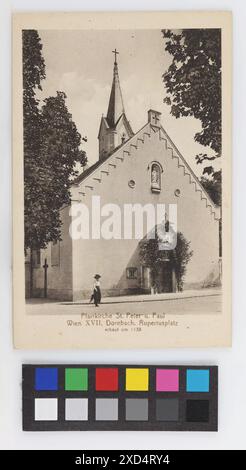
(155, 178)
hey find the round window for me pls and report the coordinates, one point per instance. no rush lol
(177, 192)
(131, 184)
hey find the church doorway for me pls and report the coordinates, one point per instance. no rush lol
(165, 278)
(162, 281)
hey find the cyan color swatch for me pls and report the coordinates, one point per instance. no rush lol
(197, 380)
(46, 378)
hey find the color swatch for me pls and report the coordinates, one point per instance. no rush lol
(119, 397)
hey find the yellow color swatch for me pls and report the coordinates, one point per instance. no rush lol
(137, 380)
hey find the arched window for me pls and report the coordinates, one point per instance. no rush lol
(155, 177)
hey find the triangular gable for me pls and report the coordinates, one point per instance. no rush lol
(133, 141)
(126, 123)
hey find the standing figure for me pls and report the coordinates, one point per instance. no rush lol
(96, 295)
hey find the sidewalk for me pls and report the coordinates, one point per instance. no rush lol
(188, 294)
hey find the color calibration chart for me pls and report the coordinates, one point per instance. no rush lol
(120, 397)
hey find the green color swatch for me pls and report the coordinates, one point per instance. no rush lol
(76, 379)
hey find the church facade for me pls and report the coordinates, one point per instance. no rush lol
(133, 168)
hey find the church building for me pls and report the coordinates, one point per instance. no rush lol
(132, 168)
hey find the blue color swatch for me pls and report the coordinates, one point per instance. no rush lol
(46, 378)
(197, 380)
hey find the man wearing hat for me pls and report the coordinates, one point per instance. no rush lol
(96, 295)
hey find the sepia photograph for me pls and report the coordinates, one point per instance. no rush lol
(124, 183)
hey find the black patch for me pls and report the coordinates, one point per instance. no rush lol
(197, 411)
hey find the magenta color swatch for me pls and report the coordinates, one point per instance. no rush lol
(167, 380)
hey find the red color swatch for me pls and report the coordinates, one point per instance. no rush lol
(107, 379)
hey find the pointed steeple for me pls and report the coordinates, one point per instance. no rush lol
(116, 106)
(115, 129)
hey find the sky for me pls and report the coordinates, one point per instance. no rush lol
(80, 63)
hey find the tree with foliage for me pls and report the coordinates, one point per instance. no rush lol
(154, 257)
(59, 152)
(213, 187)
(51, 152)
(33, 74)
(193, 85)
(179, 258)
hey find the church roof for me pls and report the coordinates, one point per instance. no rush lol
(97, 164)
(91, 168)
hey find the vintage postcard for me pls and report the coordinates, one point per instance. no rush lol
(122, 179)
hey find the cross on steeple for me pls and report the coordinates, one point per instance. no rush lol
(115, 52)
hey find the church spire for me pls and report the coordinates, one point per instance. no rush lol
(116, 106)
(114, 129)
